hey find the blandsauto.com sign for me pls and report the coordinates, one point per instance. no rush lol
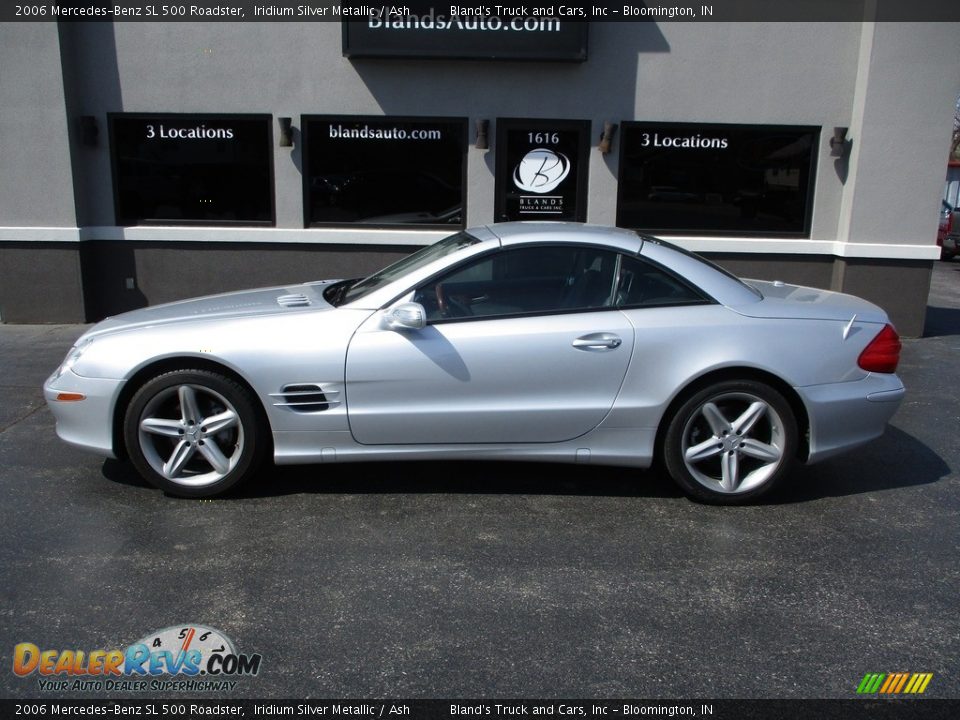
(437, 33)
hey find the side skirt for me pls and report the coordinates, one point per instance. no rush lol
(631, 447)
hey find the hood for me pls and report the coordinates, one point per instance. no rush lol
(245, 303)
(782, 300)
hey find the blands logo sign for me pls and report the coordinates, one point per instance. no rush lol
(541, 169)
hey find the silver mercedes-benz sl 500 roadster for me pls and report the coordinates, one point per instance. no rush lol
(522, 341)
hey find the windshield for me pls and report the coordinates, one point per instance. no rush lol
(351, 290)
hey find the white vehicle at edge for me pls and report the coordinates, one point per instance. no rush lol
(523, 341)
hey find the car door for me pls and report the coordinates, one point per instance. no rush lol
(522, 345)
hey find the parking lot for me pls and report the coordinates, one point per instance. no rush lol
(461, 580)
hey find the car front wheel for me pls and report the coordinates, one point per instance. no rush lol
(193, 433)
(730, 443)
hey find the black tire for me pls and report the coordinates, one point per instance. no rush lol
(747, 436)
(194, 433)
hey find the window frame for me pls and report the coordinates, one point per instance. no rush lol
(199, 118)
(704, 298)
(501, 183)
(619, 256)
(627, 127)
(383, 119)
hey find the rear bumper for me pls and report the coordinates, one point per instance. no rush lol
(845, 415)
(86, 423)
(951, 244)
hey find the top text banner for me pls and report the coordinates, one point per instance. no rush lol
(412, 11)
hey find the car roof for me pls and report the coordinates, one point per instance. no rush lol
(519, 233)
(717, 283)
(722, 287)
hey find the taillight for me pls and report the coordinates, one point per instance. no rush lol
(883, 352)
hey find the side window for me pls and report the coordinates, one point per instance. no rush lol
(523, 281)
(645, 285)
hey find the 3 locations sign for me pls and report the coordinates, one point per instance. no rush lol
(542, 169)
(717, 178)
(196, 169)
(453, 32)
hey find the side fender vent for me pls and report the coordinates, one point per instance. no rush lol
(306, 398)
(296, 300)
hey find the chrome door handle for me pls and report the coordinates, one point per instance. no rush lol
(598, 341)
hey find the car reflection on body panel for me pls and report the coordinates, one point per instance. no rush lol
(526, 341)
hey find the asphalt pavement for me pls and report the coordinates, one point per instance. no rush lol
(497, 580)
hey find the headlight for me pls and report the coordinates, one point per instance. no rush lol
(73, 356)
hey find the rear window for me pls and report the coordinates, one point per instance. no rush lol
(700, 258)
(645, 285)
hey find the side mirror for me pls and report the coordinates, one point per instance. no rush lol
(408, 315)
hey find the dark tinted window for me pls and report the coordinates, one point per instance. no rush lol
(384, 171)
(215, 169)
(542, 169)
(524, 281)
(645, 285)
(701, 259)
(716, 179)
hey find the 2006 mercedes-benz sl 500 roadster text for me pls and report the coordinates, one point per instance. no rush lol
(534, 341)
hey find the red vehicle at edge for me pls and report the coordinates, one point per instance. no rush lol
(948, 232)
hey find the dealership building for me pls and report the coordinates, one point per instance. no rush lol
(144, 162)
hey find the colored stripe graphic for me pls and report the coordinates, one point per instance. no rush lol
(871, 682)
(918, 683)
(894, 683)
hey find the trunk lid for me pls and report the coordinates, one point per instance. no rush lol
(782, 300)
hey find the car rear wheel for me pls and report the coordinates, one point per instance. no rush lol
(193, 433)
(731, 442)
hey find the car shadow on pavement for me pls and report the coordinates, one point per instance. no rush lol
(941, 322)
(460, 477)
(897, 460)
(463, 477)
(122, 473)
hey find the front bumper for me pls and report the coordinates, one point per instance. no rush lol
(845, 415)
(87, 423)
